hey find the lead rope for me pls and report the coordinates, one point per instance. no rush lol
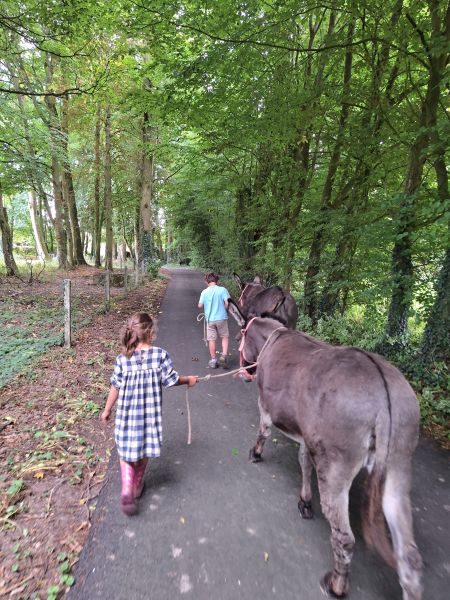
(189, 440)
(207, 378)
(202, 317)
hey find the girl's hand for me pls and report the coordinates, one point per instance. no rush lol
(192, 380)
(104, 417)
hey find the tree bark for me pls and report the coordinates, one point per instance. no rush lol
(108, 193)
(55, 136)
(436, 337)
(146, 227)
(36, 224)
(97, 207)
(402, 264)
(78, 256)
(315, 252)
(10, 263)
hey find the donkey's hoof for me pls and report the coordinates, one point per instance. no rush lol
(305, 509)
(254, 456)
(327, 590)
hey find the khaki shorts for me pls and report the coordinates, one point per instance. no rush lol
(215, 328)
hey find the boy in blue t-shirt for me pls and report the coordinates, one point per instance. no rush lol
(214, 303)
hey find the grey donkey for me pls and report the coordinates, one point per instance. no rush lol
(349, 410)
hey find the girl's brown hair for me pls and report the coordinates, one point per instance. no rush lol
(139, 328)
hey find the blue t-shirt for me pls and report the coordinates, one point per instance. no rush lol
(213, 298)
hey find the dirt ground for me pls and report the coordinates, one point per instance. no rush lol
(53, 450)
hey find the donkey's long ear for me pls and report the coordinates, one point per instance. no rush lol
(257, 280)
(234, 311)
(239, 281)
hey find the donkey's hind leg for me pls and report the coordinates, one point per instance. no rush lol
(397, 510)
(265, 424)
(334, 486)
(304, 503)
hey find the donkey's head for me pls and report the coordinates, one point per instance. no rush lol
(248, 290)
(257, 332)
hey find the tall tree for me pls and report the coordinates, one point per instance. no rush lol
(145, 217)
(108, 193)
(10, 263)
(69, 191)
(436, 53)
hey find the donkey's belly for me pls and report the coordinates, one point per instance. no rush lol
(296, 437)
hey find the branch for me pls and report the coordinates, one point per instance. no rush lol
(420, 33)
(249, 39)
(172, 174)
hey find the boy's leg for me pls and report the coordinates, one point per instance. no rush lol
(225, 346)
(211, 334)
(212, 348)
(224, 336)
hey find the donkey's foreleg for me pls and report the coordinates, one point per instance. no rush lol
(306, 466)
(334, 501)
(397, 510)
(265, 424)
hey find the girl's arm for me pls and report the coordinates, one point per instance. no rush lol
(189, 380)
(110, 401)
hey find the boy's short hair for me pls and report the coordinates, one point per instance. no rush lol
(210, 277)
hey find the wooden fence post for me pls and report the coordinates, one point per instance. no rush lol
(107, 291)
(67, 314)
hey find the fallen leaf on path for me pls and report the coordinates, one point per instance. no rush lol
(39, 475)
(182, 520)
(266, 556)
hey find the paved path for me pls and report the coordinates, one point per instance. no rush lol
(209, 519)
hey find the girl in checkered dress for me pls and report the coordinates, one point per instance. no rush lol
(140, 373)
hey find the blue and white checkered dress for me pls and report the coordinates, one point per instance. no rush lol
(139, 380)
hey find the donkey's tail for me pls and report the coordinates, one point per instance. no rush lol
(373, 524)
(374, 527)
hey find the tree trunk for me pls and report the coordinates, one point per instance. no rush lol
(36, 223)
(78, 256)
(55, 137)
(10, 263)
(315, 253)
(146, 194)
(97, 207)
(436, 337)
(402, 265)
(108, 193)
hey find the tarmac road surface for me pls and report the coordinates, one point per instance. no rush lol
(212, 525)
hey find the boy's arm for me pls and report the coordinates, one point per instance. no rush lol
(200, 301)
(110, 401)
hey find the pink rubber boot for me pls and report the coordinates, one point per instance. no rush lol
(127, 501)
(139, 482)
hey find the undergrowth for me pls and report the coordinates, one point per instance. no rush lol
(30, 326)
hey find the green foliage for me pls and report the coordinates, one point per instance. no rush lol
(153, 267)
(266, 158)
